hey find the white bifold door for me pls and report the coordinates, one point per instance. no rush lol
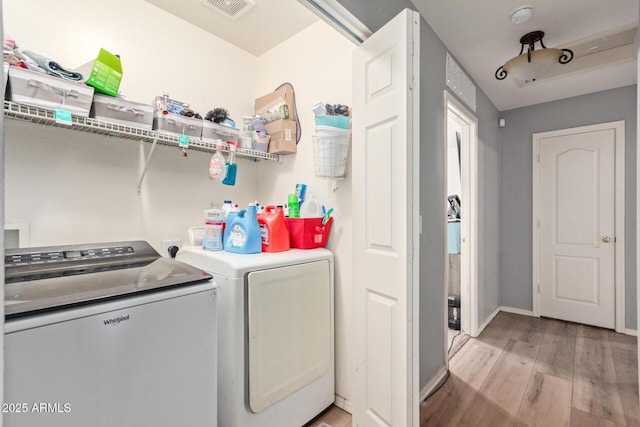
(385, 227)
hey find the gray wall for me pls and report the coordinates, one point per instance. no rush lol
(489, 215)
(432, 193)
(516, 185)
(374, 14)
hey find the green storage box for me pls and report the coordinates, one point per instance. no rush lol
(105, 73)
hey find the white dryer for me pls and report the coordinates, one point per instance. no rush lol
(275, 334)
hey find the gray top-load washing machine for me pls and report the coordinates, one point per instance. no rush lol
(108, 334)
(275, 334)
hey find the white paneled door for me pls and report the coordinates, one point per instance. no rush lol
(385, 227)
(576, 237)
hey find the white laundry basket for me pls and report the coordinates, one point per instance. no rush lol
(330, 149)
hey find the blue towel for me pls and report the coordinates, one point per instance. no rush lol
(53, 68)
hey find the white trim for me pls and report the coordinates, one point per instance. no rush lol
(535, 280)
(619, 128)
(517, 311)
(620, 226)
(632, 332)
(436, 380)
(469, 224)
(487, 321)
(343, 404)
(414, 177)
(337, 16)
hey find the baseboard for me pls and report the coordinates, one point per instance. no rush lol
(516, 311)
(433, 383)
(632, 332)
(486, 322)
(343, 404)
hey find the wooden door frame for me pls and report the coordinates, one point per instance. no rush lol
(469, 206)
(619, 128)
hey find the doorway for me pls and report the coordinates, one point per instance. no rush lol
(461, 243)
(578, 229)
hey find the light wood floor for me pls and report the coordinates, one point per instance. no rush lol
(524, 371)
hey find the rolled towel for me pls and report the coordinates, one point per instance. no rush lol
(53, 68)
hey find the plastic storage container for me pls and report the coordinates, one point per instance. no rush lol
(213, 131)
(41, 90)
(308, 233)
(260, 143)
(330, 149)
(122, 111)
(177, 124)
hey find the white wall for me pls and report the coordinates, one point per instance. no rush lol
(74, 187)
(159, 51)
(317, 62)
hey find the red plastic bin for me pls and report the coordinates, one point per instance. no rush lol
(308, 233)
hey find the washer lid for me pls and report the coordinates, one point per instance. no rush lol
(50, 278)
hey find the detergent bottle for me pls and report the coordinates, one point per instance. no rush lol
(310, 208)
(214, 221)
(273, 230)
(244, 233)
(228, 219)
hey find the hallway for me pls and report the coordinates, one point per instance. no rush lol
(525, 371)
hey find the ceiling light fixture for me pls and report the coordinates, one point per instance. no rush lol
(533, 63)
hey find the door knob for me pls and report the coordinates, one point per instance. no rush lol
(606, 239)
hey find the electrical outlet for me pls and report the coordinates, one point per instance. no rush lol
(164, 251)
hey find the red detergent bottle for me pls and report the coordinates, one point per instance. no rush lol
(274, 230)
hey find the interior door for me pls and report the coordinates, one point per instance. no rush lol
(385, 229)
(577, 227)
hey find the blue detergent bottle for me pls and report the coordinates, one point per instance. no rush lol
(244, 233)
(229, 217)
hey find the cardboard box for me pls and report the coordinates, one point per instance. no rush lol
(42, 90)
(283, 136)
(104, 74)
(276, 105)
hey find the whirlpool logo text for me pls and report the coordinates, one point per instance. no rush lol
(116, 320)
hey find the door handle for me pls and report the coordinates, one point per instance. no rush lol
(606, 239)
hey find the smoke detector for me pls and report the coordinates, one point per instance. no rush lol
(521, 14)
(232, 9)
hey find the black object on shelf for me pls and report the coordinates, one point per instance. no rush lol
(454, 207)
(454, 312)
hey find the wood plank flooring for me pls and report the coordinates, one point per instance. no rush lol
(524, 371)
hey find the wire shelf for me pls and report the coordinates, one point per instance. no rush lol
(43, 116)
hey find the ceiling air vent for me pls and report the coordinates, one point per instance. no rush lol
(232, 9)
